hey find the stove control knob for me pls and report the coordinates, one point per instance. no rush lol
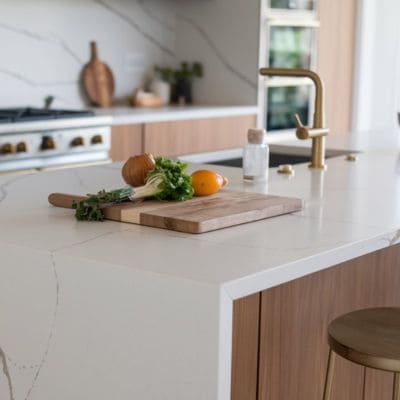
(6, 148)
(22, 147)
(78, 141)
(96, 139)
(48, 143)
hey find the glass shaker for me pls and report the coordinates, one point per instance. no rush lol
(256, 156)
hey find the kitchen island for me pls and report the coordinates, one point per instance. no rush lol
(111, 310)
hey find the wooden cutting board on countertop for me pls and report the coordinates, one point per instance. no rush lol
(201, 214)
(98, 80)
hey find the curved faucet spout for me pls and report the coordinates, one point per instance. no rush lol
(319, 116)
(318, 132)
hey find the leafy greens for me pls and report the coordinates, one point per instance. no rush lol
(168, 181)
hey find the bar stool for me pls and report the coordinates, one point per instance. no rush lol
(369, 337)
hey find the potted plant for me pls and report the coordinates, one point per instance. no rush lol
(161, 83)
(182, 82)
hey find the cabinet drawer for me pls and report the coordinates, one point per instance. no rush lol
(194, 136)
(126, 141)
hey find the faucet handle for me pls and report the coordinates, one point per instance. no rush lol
(302, 132)
(297, 121)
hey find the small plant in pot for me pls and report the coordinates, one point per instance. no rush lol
(162, 83)
(183, 79)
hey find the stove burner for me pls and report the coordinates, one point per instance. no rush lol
(10, 115)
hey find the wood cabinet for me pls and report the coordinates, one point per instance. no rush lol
(336, 55)
(289, 336)
(175, 138)
(245, 346)
(126, 141)
(195, 136)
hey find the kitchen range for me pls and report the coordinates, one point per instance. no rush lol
(32, 138)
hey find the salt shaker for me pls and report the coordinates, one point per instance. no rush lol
(256, 156)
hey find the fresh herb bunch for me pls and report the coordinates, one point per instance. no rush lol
(168, 181)
(175, 184)
(89, 209)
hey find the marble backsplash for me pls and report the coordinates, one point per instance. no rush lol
(45, 43)
(224, 36)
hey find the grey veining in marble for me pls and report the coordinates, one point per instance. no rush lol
(4, 186)
(81, 285)
(13, 370)
(45, 45)
(51, 328)
(43, 52)
(250, 81)
(6, 373)
(131, 22)
(148, 10)
(52, 38)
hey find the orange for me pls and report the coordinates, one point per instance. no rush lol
(206, 182)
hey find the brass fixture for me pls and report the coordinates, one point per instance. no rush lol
(318, 131)
(368, 337)
(351, 157)
(285, 169)
(6, 148)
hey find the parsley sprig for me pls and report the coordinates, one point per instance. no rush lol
(168, 181)
(176, 184)
(89, 209)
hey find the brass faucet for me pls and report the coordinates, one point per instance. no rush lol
(318, 132)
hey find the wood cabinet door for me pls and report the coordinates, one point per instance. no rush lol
(292, 345)
(336, 57)
(126, 141)
(245, 346)
(195, 136)
(294, 321)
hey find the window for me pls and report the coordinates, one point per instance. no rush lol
(290, 46)
(287, 40)
(283, 102)
(293, 4)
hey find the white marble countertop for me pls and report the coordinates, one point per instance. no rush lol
(130, 115)
(135, 312)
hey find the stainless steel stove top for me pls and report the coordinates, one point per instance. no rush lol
(33, 138)
(28, 114)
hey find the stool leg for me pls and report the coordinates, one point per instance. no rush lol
(396, 386)
(364, 381)
(329, 376)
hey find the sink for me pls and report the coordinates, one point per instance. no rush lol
(275, 159)
(279, 154)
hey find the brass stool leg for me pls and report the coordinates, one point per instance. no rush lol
(396, 386)
(329, 376)
(364, 380)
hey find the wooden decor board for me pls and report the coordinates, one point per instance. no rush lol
(98, 80)
(201, 214)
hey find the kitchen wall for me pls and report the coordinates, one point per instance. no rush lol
(224, 35)
(45, 43)
(377, 73)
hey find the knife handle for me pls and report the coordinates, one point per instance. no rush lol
(64, 200)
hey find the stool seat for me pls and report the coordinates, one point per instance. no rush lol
(370, 337)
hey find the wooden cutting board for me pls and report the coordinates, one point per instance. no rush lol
(98, 80)
(201, 214)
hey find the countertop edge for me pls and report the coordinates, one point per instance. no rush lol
(264, 280)
(126, 116)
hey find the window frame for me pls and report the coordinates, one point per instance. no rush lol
(270, 17)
